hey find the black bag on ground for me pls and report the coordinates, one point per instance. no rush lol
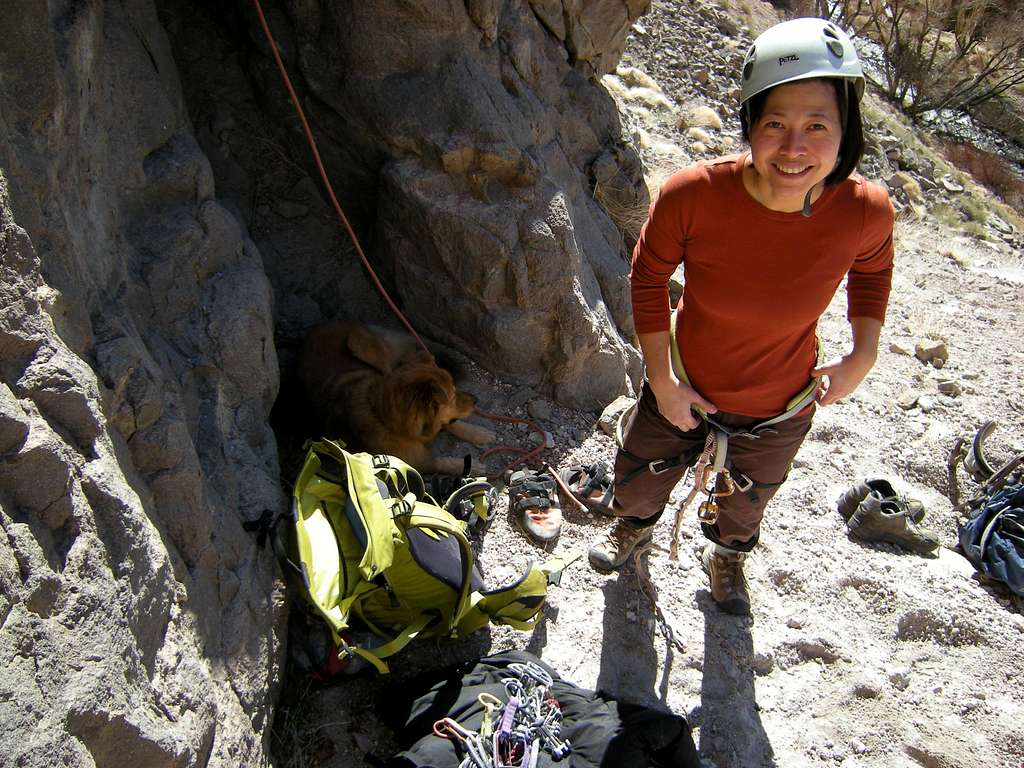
(602, 731)
(993, 538)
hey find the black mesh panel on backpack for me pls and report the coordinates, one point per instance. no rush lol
(441, 558)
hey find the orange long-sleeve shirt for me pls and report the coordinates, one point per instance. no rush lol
(757, 280)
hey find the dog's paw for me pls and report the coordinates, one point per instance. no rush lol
(471, 433)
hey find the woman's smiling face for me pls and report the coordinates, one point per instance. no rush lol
(794, 143)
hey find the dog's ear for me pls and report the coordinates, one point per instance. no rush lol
(373, 349)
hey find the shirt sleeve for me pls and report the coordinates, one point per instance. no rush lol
(870, 277)
(659, 251)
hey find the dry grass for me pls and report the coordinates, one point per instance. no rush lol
(990, 170)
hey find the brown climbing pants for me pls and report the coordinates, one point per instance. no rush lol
(647, 436)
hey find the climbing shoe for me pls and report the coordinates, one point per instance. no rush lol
(883, 489)
(617, 544)
(877, 520)
(728, 584)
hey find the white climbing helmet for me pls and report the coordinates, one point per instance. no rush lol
(797, 50)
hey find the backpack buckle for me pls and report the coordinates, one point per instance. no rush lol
(401, 506)
(380, 461)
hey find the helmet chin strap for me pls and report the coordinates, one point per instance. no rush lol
(807, 203)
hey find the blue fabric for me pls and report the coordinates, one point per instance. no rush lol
(993, 539)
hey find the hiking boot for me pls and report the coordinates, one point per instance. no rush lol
(728, 584)
(877, 520)
(883, 489)
(617, 544)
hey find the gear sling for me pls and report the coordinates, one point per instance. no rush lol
(712, 460)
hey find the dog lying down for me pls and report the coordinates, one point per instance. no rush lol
(381, 392)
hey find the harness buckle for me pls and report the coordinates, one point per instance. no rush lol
(660, 466)
(742, 482)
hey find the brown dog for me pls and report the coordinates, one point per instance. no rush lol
(380, 392)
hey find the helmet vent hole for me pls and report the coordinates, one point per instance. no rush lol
(836, 48)
(748, 69)
(829, 31)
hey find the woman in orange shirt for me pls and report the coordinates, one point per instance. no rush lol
(765, 239)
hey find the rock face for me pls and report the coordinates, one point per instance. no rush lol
(479, 133)
(140, 624)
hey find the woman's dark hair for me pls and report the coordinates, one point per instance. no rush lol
(851, 147)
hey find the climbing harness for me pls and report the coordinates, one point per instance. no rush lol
(713, 475)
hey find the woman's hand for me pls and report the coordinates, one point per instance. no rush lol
(839, 378)
(676, 399)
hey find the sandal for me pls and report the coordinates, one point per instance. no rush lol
(534, 499)
(591, 485)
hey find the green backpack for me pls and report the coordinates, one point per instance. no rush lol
(374, 550)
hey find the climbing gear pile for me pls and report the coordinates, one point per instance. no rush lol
(512, 709)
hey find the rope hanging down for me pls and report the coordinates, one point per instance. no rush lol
(526, 455)
(324, 177)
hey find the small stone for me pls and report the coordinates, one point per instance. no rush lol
(858, 747)
(521, 397)
(897, 349)
(701, 117)
(795, 622)
(581, 435)
(951, 184)
(907, 399)
(549, 440)
(867, 689)
(950, 387)
(539, 409)
(900, 679)
(698, 148)
(928, 350)
(610, 416)
(287, 209)
(762, 663)
(926, 404)
(699, 134)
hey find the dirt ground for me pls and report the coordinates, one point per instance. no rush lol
(855, 655)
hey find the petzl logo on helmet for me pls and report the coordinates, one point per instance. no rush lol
(791, 57)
